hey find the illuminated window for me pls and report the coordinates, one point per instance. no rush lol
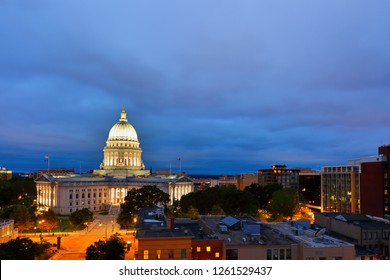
(146, 254)
(198, 249)
(217, 254)
(208, 249)
(158, 253)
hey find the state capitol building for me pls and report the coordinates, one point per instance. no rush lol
(121, 170)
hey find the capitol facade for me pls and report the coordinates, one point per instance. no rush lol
(121, 170)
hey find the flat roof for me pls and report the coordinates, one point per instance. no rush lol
(238, 237)
(307, 237)
(163, 233)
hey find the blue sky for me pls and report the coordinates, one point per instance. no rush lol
(227, 86)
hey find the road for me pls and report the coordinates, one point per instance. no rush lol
(74, 244)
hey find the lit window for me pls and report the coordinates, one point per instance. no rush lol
(146, 254)
(217, 254)
(198, 249)
(208, 249)
(158, 252)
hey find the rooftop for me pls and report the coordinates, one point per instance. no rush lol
(249, 232)
(307, 237)
(151, 218)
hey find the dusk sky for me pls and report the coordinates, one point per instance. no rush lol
(227, 86)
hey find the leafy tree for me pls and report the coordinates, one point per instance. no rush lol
(238, 202)
(112, 249)
(193, 213)
(217, 210)
(50, 220)
(174, 210)
(223, 199)
(23, 249)
(284, 203)
(17, 191)
(22, 217)
(263, 193)
(79, 217)
(145, 197)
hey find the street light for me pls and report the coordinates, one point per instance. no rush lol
(86, 224)
(128, 245)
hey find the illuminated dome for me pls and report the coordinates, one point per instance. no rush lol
(122, 130)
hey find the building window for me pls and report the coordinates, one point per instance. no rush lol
(77, 196)
(232, 254)
(158, 253)
(269, 254)
(146, 254)
(170, 255)
(70, 196)
(288, 254)
(82, 195)
(198, 249)
(216, 254)
(183, 253)
(208, 249)
(281, 254)
(275, 254)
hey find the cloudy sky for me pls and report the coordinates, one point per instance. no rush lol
(227, 86)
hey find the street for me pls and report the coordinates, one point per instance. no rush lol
(74, 244)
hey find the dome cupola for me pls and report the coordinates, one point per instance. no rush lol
(122, 130)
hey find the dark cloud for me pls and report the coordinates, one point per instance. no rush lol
(227, 86)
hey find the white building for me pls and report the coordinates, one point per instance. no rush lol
(122, 169)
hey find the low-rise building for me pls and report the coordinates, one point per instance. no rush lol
(245, 238)
(7, 231)
(370, 235)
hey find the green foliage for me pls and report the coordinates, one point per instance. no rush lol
(263, 193)
(284, 203)
(50, 220)
(79, 217)
(22, 217)
(23, 249)
(17, 191)
(112, 249)
(193, 213)
(220, 199)
(145, 197)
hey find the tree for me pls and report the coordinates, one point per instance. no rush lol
(145, 197)
(49, 220)
(79, 217)
(23, 249)
(220, 199)
(112, 249)
(284, 203)
(263, 193)
(193, 213)
(236, 202)
(22, 217)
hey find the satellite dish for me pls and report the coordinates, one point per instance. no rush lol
(320, 232)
